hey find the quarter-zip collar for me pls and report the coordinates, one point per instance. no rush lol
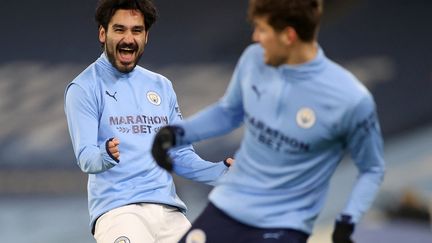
(306, 70)
(106, 64)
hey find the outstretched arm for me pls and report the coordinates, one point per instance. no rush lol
(191, 166)
(181, 157)
(217, 119)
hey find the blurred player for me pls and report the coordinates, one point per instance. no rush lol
(114, 108)
(301, 113)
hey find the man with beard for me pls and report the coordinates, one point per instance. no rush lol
(301, 113)
(114, 108)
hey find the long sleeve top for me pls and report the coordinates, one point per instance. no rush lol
(299, 122)
(101, 103)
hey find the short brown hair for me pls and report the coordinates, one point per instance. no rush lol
(107, 8)
(302, 15)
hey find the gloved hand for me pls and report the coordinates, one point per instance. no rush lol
(163, 141)
(343, 230)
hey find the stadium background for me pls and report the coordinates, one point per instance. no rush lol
(45, 44)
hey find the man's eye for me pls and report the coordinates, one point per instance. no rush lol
(137, 31)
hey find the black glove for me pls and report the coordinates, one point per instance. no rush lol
(343, 230)
(163, 141)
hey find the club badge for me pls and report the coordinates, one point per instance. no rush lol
(196, 236)
(122, 239)
(305, 118)
(154, 98)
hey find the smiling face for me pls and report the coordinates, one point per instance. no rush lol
(124, 39)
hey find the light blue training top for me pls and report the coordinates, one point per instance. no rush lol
(101, 103)
(299, 122)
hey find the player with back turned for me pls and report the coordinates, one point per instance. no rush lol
(114, 109)
(301, 113)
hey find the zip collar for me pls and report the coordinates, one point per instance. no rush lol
(305, 70)
(103, 62)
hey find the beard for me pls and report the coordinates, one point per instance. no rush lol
(115, 54)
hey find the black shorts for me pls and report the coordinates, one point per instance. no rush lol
(217, 227)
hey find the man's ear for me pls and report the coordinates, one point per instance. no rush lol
(146, 38)
(289, 35)
(102, 34)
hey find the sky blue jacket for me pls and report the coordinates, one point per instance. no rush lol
(101, 103)
(299, 122)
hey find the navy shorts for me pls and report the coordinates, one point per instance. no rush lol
(215, 226)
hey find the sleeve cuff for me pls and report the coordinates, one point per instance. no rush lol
(226, 163)
(346, 218)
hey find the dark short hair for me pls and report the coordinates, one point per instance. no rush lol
(302, 15)
(107, 8)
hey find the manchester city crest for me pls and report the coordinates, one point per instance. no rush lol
(153, 97)
(305, 118)
(122, 239)
(196, 236)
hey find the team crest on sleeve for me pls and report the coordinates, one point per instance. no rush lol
(153, 98)
(196, 236)
(305, 118)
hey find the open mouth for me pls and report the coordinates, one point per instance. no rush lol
(126, 55)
